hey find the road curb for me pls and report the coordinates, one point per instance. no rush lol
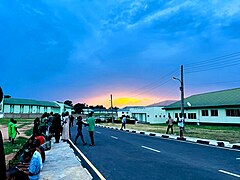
(85, 162)
(224, 144)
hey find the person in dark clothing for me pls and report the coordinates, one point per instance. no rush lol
(71, 117)
(79, 124)
(36, 126)
(57, 127)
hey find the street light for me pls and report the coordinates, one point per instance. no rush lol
(182, 95)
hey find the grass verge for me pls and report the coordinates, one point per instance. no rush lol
(5, 121)
(18, 144)
(219, 133)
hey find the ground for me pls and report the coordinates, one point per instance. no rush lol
(23, 127)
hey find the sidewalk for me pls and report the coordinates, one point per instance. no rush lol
(61, 163)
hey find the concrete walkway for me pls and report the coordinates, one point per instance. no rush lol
(61, 163)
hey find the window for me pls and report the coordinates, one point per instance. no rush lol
(155, 116)
(214, 112)
(147, 115)
(192, 116)
(204, 112)
(21, 108)
(164, 116)
(30, 109)
(11, 108)
(160, 116)
(176, 115)
(184, 115)
(233, 112)
(122, 112)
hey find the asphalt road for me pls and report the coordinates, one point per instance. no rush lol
(123, 155)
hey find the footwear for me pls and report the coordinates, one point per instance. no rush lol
(84, 143)
(91, 144)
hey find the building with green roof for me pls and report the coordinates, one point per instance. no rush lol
(28, 108)
(213, 107)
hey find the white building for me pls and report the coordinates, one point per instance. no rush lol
(152, 114)
(28, 108)
(221, 107)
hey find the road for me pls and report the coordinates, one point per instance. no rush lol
(124, 155)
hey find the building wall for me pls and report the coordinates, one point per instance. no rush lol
(221, 118)
(152, 115)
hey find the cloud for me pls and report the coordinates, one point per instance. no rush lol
(159, 14)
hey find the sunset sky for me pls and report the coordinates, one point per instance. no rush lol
(85, 50)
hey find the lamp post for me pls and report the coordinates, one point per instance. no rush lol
(182, 90)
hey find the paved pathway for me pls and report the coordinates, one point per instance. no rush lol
(61, 163)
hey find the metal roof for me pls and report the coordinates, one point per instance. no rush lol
(162, 104)
(230, 97)
(16, 101)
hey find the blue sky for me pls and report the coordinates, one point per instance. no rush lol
(86, 50)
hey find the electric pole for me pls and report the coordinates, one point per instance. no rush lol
(112, 109)
(182, 92)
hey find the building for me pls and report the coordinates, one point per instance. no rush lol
(28, 108)
(222, 107)
(152, 114)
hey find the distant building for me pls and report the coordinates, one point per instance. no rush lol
(152, 114)
(214, 107)
(28, 108)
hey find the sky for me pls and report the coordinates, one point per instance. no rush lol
(86, 50)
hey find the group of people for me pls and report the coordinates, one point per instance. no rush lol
(180, 122)
(12, 130)
(91, 126)
(33, 156)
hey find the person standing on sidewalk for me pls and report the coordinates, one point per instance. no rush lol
(181, 125)
(91, 125)
(79, 124)
(170, 124)
(124, 120)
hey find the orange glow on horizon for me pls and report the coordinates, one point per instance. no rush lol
(122, 101)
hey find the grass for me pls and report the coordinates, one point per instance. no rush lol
(220, 133)
(5, 121)
(18, 144)
(29, 132)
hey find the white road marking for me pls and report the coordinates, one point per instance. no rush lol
(237, 158)
(88, 162)
(98, 132)
(151, 149)
(114, 137)
(229, 173)
(78, 159)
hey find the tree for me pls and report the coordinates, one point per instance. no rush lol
(68, 102)
(78, 108)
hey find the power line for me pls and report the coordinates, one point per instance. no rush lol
(153, 85)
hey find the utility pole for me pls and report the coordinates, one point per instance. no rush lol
(182, 92)
(112, 109)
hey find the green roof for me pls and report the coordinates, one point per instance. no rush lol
(16, 101)
(229, 97)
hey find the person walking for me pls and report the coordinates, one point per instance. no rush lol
(65, 132)
(124, 120)
(14, 131)
(11, 122)
(181, 125)
(170, 124)
(91, 125)
(79, 128)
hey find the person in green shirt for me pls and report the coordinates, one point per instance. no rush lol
(91, 125)
(10, 129)
(14, 131)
